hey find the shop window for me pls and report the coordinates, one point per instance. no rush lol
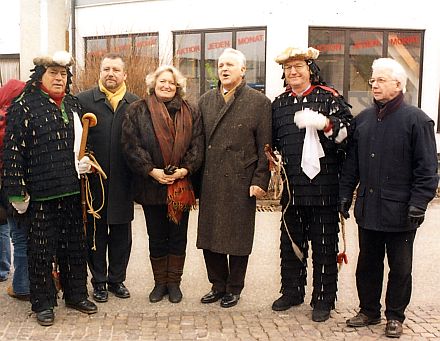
(9, 67)
(347, 54)
(140, 51)
(196, 54)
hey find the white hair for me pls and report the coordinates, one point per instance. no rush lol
(238, 54)
(396, 70)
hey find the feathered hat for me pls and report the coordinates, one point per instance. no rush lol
(59, 58)
(297, 53)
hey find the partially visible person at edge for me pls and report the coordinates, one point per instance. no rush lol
(109, 237)
(41, 180)
(12, 228)
(7, 93)
(163, 144)
(392, 159)
(310, 121)
(237, 126)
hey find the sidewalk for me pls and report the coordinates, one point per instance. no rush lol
(252, 319)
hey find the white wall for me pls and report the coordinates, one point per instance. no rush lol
(10, 27)
(43, 30)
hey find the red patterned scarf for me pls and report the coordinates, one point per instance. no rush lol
(174, 139)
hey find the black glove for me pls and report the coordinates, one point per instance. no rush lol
(344, 206)
(416, 215)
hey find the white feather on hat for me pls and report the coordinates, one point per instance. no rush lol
(297, 53)
(59, 58)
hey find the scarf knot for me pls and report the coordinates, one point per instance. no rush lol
(113, 97)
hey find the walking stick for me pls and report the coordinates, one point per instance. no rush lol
(88, 120)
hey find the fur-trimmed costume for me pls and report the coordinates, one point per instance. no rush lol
(312, 213)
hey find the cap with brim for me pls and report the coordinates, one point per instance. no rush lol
(297, 53)
(59, 58)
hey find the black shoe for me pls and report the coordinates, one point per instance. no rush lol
(285, 302)
(100, 293)
(362, 320)
(119, 290)
(393, 329)
(86, 306)
(212, 296)
(45, 317)
(174, 293)
(320, 315)
(229, 300)
(158, 292)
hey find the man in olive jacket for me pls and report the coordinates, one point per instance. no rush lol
(112, 234)
(237, 125)
(392, 158)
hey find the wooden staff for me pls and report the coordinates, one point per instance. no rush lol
(88, 120)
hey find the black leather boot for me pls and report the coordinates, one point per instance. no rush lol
(285, 302)
(46, 317)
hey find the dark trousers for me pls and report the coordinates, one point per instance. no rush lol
(319, 225)
(226, 275)
(398, 247)
(56, 236)
(164, 236)
(114, 239)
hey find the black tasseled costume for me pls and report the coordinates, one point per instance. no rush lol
(56, 234)
(38, 147)
(39, 160)
(312, 214)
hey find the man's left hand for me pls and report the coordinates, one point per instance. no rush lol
(416, 215)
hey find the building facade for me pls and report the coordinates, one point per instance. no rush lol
(192, 33)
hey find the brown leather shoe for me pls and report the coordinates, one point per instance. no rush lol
(362, 320)
(11, 292)
(393, 329)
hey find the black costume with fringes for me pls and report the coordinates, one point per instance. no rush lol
(39, 156)
(312, 213)
(39, 160)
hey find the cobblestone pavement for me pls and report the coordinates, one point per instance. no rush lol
(252, 319)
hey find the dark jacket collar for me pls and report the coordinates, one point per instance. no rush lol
(383, 109)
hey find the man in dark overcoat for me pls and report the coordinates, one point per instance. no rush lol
(109, 235)
(237, 125)
(392, 159)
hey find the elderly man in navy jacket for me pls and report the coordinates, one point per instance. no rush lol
(392, 159)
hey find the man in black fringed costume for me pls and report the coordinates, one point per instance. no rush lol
(310, 123)
(42, 182)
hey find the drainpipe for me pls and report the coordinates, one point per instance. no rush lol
(73, 27)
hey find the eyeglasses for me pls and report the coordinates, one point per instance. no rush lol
(380, 80)
(297, 67)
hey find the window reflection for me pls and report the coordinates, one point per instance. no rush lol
(196, 55)
(187, 56)
(347, 55)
